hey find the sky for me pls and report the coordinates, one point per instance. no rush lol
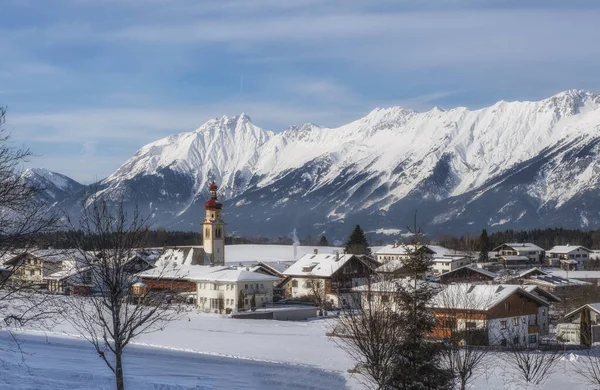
(86, 83)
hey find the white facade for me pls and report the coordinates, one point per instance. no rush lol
(576, 253)
(447, 264)
(533, 252)
(233, 290)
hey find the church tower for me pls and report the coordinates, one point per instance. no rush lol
(214, 229)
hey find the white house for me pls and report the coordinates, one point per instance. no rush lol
(232, 290)
(509, 314)
(511, 251)
(402, 252)
(442, 265)
(576, 255)
(328, 274)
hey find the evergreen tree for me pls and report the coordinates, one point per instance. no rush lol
(357, 243)
(484, 246)
(323, 241)
(417, 361)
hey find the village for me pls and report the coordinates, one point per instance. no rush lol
(522, 294)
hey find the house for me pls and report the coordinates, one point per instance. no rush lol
(175, 277)
(571, 257)
(33, 266)
(329, 274)
(275, 268)
(400, 252)
(73, 280)
(467, 274)
(507, 314)
(233, 290)
(514, 261)
(445, 264)
(515, 252)
(581, 326)
(379, 293)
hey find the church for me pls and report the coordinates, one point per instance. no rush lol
(199, 273)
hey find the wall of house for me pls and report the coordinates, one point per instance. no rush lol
(166, 284)
(224, 296)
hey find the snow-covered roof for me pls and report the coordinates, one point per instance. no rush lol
(521, 246)
(544, 294)
(46, 255)
(183, 272)
(320, 264)
(564, 249)
(478, 296)
(399, 249)
(391, 285)
(276, 267)
(592, 306)
(184, 255)
(531, 271)
(235, 275)
(554, 281)
(515, 258)
(390, 266)
(473, 269)
(66, 273)
(574, 274)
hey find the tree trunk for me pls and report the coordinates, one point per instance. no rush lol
(119, 371)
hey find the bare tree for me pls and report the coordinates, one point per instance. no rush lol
(318, 292)
(24, 216)
(588, 367)
(532, 366)
(464, 325)
(369, 330)
(107, 238)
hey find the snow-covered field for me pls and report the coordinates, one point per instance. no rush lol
(209, 351)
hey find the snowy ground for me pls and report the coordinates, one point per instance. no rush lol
(64, 363)
(208, 351)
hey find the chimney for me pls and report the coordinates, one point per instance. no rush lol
(337, 255)
(316, 251)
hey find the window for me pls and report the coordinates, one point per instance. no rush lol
(543, 312)
(507, 306)
(294, 283)
(516, 340)
(262, 285)
(524, 320)
(369, 297)
(471, 325)
(515, 321)
(502, 324)
(385, 298)
(31, 272)
(449, 324)
(245, 287)
(503, 342)
(207, 232)
(533, 339)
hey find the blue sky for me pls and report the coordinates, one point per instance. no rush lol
(88, 82)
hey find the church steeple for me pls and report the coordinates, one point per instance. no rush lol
(214, 228)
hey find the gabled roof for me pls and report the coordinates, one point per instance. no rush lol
(554, 281)
(592, 306)
(404, 249)
(575, 274)
(391, 285)
(184, 255)
(390, 266)
(180, 272)
(319, 265)
(480, 297)
(470, 268)
(527, 246)
(545, 294)
(515, 258)
(564, 249)
(46, 255)
(531, 272)
(274, 268)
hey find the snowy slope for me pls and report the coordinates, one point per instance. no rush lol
(513, 164)
(55, 186)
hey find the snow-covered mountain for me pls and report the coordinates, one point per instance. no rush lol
(53, 186)
(511, 165)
